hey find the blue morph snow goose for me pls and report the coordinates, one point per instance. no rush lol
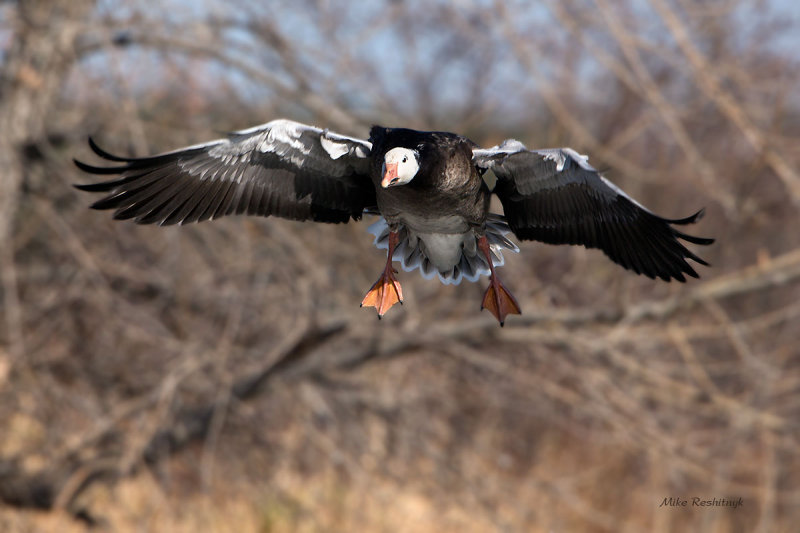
(427, 187)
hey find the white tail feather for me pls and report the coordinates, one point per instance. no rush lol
(411, 255)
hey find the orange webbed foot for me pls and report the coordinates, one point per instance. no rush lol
(384, 293)
(499, 301)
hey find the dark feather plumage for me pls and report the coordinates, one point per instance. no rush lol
(556, 197)
(245, 174)
(427, 187)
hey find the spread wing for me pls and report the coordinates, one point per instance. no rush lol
(555, 196)
(282, 168)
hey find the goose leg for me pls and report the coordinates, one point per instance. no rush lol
(497, 299)
(386, 291)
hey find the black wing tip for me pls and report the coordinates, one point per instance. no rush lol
(88, 187)
(91, 169)
(691, 219)
(100, 186)
(83, 166)
(703, 241)
(105, 155)
(91, 187)
(677, 272)
(673, 265)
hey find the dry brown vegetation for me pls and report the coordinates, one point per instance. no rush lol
(222, 377)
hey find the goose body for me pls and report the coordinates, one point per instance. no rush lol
(427, 187)
(442, 212)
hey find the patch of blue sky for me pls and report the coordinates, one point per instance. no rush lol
(387, 40)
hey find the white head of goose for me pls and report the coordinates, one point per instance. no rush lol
(426, 186)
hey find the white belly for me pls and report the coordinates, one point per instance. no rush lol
(443, 238)
(445, 246)
(444, 249)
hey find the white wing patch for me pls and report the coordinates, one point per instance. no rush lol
(560, 155)
(282, 137)
(338, 145)
(507, 147)
(513, 146)
(334, 149)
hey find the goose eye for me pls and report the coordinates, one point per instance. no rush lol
(405, 158)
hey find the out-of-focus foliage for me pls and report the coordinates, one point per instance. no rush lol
(222, 376)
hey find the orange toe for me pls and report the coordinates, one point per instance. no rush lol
(499, 301)
(384, 293)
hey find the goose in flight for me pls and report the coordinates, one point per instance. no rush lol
(427, 187)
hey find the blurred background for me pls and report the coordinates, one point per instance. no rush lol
(221, 376)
